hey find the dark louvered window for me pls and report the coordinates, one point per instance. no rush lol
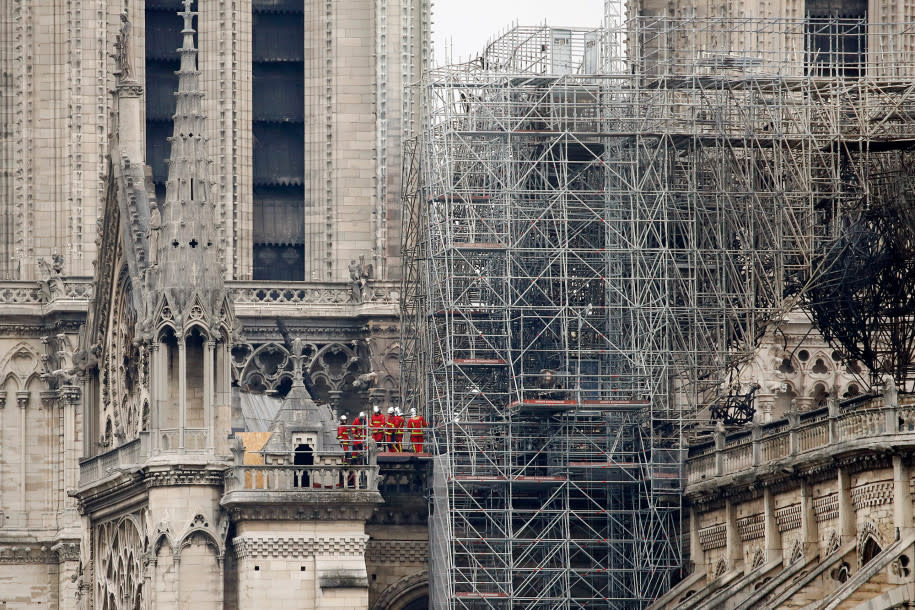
(277, 106)
(163, 39)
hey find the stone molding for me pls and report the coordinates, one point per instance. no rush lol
(270, 547)
(177, 475)
(872, 494)
(299, 512)
(752, 527)
(788, 518)
(397, 551)
(37, 552)
(826, 507)
(713, 537)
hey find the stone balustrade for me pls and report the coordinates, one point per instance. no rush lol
(245, 293)
(131, 453)
(800, 433)
(303, 478)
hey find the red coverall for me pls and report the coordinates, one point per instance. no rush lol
(343, 436)
(358, 430)
(396, 425)
(416, 426)
(377, 423)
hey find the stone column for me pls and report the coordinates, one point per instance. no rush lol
(22, 399)
(182, 390)
(902, 497)
(2, 406)
(808, 521)
(70, 401)
(847, 521)
(772, 536)
(208, 366)
(67, 571)
(734, 544)
(130, 132)
(155, 372)
(696, 552)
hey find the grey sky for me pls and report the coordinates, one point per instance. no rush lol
(462, 27)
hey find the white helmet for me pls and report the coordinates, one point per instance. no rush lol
(361, 413)
(390, 410)
(397, 411)
(413, 411)
(343, 418)
(376, 409)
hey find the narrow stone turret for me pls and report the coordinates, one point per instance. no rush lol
(191, 320)
(189, 268)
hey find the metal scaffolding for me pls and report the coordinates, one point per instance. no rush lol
(590, 254)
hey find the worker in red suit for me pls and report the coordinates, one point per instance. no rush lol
(343, 437)
(389, 430)
(416, 427)
(357, 433)
(395, 424)
(377, 424)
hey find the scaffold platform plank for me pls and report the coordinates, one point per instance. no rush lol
(478, 361)
(478, 245)
(479, 595)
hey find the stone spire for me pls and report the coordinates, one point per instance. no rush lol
(189, 270)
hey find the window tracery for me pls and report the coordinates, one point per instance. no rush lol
(125, 373)
(119, 566)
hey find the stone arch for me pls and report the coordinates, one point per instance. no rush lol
(822, 364)
(197, 325)
(870, 542)
(205, 534)
(162, 539)
(200, 567)
(851, 390)
(786, 393)
(10, 382)
(21, 362)
(404, 592)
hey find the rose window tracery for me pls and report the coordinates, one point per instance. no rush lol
(125, 374)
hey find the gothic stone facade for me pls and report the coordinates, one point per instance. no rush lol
(124, 357)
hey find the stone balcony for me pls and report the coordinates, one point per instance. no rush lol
(131, 454)
(774, 449)
(319, 492)
(332, 477)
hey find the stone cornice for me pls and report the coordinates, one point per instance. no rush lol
(321, 506)
(16, 553)
(123, 486)
(270, 547)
